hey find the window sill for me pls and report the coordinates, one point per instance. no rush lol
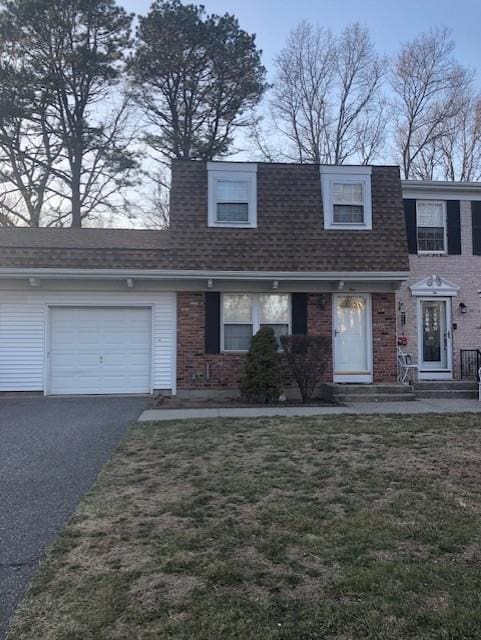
(234, 352)
(234, 225)
(437, 254)
(347, 227)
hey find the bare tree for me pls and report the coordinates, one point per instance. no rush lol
(305, 75)
(326, 98)
(153, 203)
(428, 85)
(359, 124)
(104, 166)
(459, 153)
(27, 153)
(28, 146)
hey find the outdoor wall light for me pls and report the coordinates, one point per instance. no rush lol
(463, 308)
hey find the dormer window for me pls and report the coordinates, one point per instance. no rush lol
(346, 197)
(232, 201)
(232, 194)
(347, 203)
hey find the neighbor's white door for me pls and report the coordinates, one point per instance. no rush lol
(352, 338)
(435, 340)
(95, 350)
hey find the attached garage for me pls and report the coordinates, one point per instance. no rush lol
(99, 350)
(100, 342)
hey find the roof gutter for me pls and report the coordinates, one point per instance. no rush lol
(159, 274)
(441, 189)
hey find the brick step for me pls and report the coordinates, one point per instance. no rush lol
(454, 394)
(383, 397)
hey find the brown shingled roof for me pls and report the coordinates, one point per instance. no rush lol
(290, 235)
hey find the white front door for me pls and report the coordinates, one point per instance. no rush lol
(352, 338)
(99, 350)
(434, 339)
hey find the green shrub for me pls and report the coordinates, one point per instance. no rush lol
(262, 377)
(307, 358)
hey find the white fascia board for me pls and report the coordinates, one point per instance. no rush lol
(432, 190)
(250, 167)
(359, 170)
(158, 274)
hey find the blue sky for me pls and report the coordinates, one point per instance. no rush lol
(390, 22)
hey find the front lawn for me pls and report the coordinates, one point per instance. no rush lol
(273, 529)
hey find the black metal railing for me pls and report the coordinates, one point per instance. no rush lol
(470, 363)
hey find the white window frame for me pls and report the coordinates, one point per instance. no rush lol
(424, 252)
(256, 316)
(243, 172)
(346, 175)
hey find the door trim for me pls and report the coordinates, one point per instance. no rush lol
(49, 307)
(365, 377)
(435, 374)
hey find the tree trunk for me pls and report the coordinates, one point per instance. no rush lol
(75, 189)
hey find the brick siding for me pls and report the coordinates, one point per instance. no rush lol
(463, 270)
(384, 337)
(198, 370)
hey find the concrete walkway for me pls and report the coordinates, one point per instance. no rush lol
(356, 408)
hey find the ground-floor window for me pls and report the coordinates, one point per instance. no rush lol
(243, 314)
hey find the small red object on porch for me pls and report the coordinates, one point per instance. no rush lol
(402, 341)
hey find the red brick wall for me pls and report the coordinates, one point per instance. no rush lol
(319, 321)
(384, 337)
(198, 370)
(194, 366)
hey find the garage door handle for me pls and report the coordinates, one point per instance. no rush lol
(101, 359)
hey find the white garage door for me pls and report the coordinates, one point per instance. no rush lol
(99, 350)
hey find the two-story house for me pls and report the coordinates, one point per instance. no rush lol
(301, 248)
(439, 309)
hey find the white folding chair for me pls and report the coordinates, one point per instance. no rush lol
(406, 369)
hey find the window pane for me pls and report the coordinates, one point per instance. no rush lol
(348, 214)
(430, 214)
(232, 191)
(347, 193)
(274, 308)
(237, 337)
(279, 330)
(431, 238)
(232, 212)
(237, 308)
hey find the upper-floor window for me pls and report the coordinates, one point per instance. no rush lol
(431, 226)
(346, 197)
(243, 314)
(232, 194)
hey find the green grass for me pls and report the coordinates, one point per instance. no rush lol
(273, 529)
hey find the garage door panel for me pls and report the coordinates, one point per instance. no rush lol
(100, 350)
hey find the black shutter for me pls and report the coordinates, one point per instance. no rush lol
(299, 313)
(476, 223)
(212, 322)
(454, 227)
(411, 228)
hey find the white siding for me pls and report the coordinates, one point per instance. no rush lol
(23, 333)
(21, 346)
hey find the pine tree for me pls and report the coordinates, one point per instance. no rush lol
(262, 378)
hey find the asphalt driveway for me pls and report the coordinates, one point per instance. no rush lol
(51, 450)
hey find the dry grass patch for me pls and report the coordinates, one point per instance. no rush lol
(274, 529)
